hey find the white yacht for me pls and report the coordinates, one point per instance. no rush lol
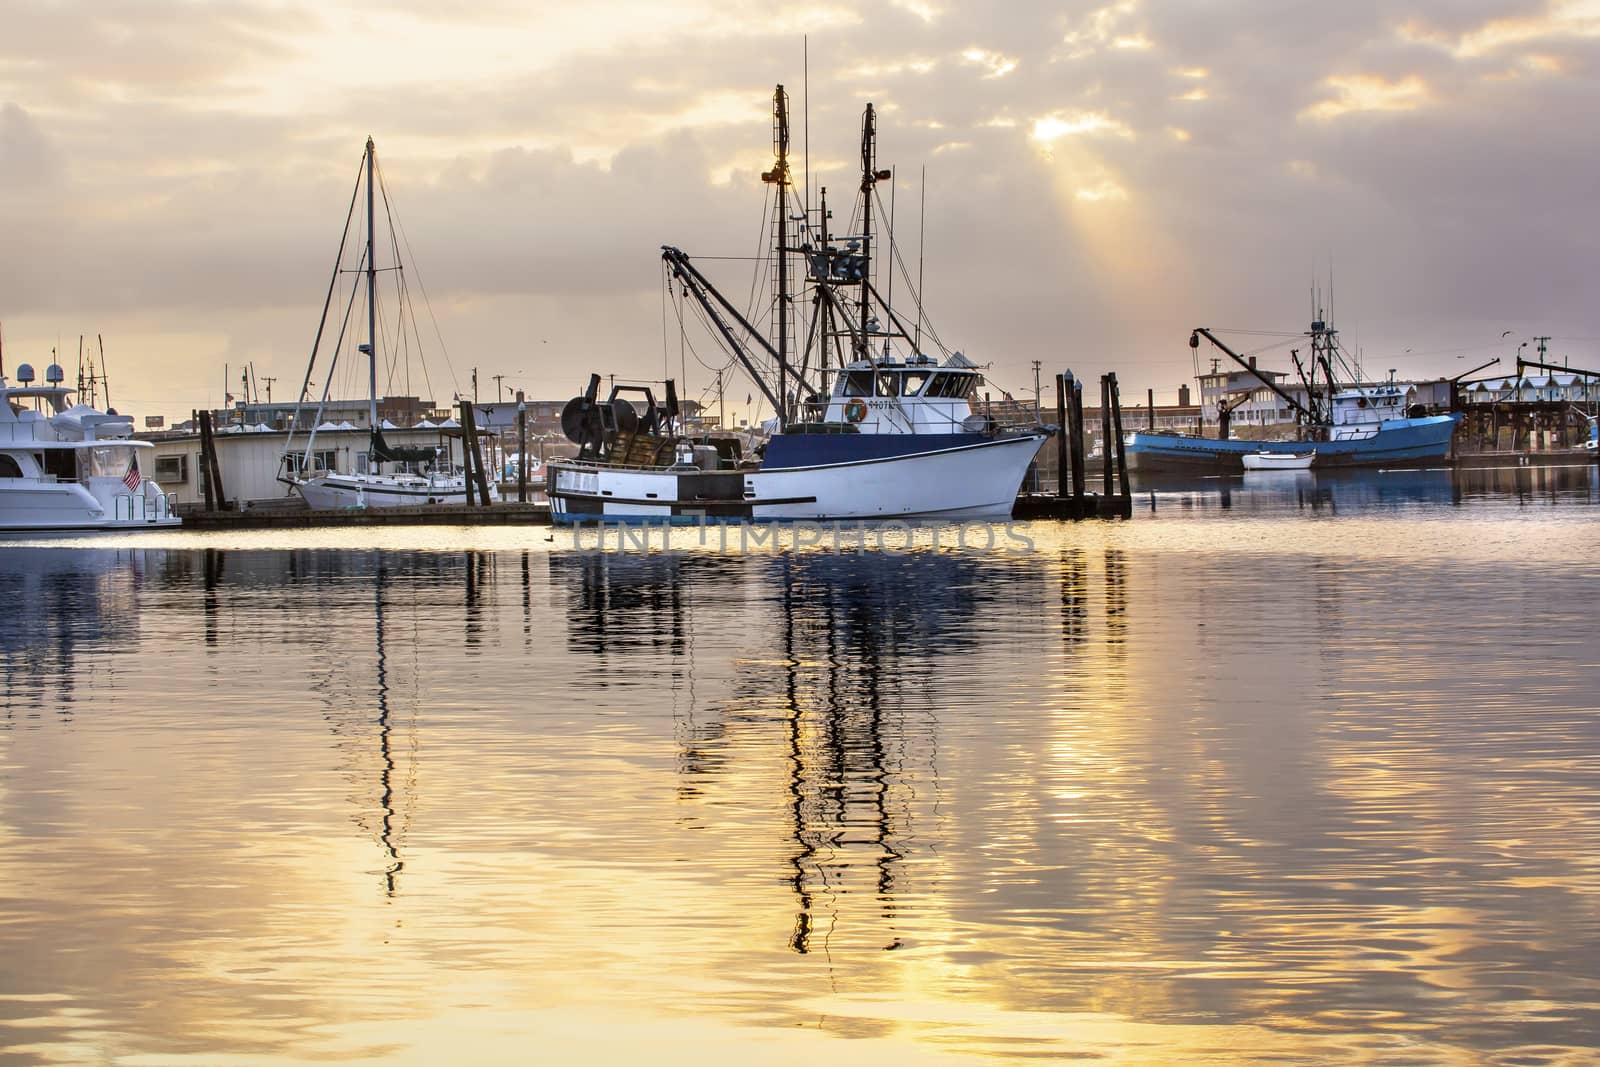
(66, 466)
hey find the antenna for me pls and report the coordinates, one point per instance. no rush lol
(105, 379)
(805, 117)
(922, 233)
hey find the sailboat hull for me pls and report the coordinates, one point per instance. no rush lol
(975, 481)
(341, 491)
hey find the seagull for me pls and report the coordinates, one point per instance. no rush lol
(1506, 334)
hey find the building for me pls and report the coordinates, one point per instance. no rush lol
(401, 411)
(251, 460)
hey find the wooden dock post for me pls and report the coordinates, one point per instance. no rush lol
(1105, 435)
(1063, 472)
(476, 476)
(205, 469)
(522, 450)
(1150, 410)
(462, 416)
(1122, 445)
(1079, 474)
(215, 497)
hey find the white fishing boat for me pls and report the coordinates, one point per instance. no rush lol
(385, 475)
(66, 466)
(1278, 461)
(867, 425)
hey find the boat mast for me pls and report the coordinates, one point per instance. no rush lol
(779, 176)
(869, 178)
(372, 303)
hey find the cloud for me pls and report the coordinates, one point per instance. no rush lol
(190, 179)
(1369, 92)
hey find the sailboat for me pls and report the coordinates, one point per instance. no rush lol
(893, 435)
(425, 475)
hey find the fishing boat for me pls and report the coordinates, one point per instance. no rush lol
(1355, 426)
(385, 475)
(867, 425)
(1278, 461)
(69, 466)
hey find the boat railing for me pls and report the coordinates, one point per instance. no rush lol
(138, 507)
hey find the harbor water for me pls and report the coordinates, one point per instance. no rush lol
(1289, 768)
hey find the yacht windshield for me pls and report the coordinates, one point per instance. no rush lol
(105, 461)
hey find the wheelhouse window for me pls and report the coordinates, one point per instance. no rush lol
(858, 383)
(888, 384)
(9, 467)
(911, 382)
(951, 386)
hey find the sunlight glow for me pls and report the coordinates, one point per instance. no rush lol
(1051, 128)
(1370, 92)
(998, 65)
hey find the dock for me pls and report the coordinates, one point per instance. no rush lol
(508, 513)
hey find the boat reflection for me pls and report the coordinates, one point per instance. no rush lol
(1336, 491)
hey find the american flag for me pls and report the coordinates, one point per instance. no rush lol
(131, 479)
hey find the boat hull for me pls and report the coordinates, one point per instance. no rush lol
(1394, 443)
(1278, 461)
(971, 482)
(104, 504)
(339, 492)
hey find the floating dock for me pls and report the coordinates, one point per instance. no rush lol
(280, 518)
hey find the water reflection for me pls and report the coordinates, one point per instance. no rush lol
(1365, 491)
(1142, 792)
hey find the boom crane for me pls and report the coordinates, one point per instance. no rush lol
(1194, 342)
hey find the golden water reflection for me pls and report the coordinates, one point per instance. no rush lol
(1137, 796)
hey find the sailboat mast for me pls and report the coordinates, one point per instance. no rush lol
(779, 176)
(869, 175)
(372, 301)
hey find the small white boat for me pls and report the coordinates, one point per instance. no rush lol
(1278, 461)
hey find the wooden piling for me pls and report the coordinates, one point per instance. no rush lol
(205, 468)
(1105, 435)
(1122, 445)
(477, 476)
(1150, 410)
(522, 452)
(1079, 474)
(464, 416)
(1063, 473)
(208, 460)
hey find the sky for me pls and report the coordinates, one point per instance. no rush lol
(1093, 180)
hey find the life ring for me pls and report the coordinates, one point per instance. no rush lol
(855, 410)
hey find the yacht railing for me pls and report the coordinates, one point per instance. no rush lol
(140, 508)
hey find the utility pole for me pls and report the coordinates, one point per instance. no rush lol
(499, 387)
(474, 385)
(721, 415)
(1036, 414)
(269, 382)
